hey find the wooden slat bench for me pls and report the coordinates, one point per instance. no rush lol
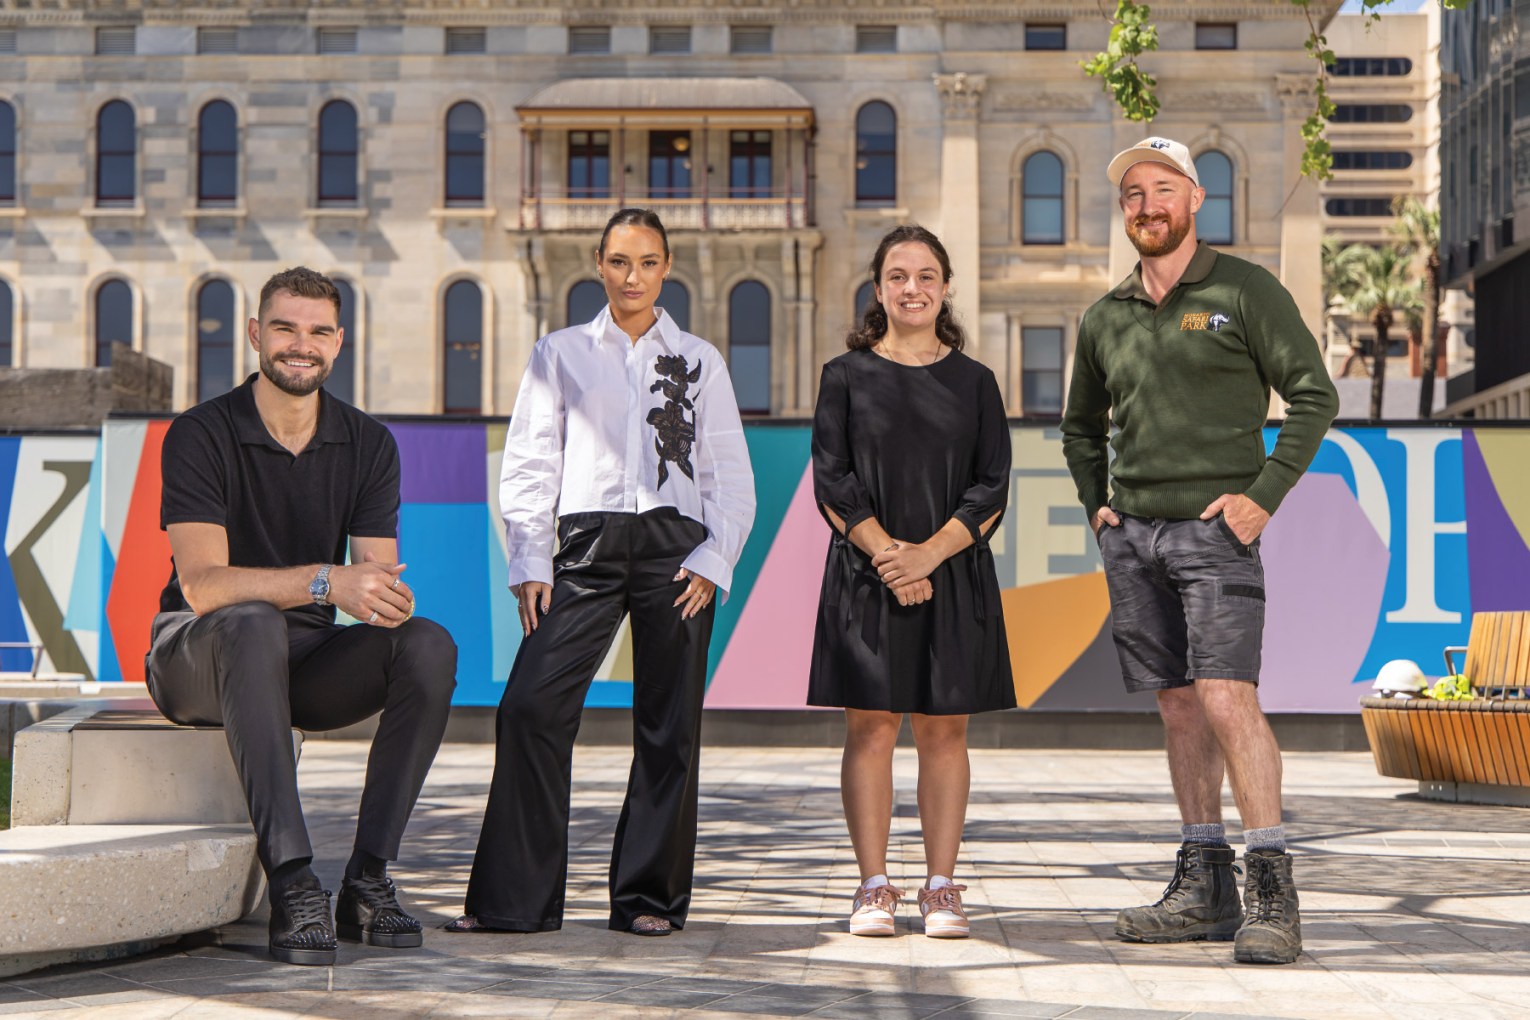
(1477, 750)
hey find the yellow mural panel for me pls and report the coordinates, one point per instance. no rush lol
(1049, 626)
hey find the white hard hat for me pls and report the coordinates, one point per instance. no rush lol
(1400, 675)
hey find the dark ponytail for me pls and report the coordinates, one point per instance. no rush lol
(633, 218)
(873, 324)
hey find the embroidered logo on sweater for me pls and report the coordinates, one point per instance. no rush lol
(1213, 321)
(676, 434)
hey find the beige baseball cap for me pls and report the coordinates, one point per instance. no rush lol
(1153, 150)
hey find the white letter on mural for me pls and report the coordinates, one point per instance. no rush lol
(1420, 446)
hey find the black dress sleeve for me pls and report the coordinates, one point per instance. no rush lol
(989, 492)
(835, 485)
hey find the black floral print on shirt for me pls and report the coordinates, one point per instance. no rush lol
(676, 434)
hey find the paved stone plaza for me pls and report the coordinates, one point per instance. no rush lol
(1412, 908)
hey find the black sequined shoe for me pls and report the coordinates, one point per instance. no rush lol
(368, 912)
(302, 931)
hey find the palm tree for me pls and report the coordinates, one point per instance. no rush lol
(1338, 262)
(1382, 289)
(1418, 228)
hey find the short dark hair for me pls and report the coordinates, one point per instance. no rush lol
(873, 324)
(634, 218)
(302, 282)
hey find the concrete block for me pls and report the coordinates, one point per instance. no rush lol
(92, 765)
(75, 889)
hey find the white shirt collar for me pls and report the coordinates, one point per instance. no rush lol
(664, 330)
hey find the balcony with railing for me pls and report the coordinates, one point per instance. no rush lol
(704, 153)
(775, 212)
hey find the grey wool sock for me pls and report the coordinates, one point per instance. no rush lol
(1271, 838)
(1203, 832)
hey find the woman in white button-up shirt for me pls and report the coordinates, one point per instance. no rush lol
(626, 489)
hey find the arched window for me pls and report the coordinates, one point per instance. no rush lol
(749, 346)
(217, 155)
(876, 155)
(7, 153)
(1041, 189)
(464, 155)
(585, 300)
(215, 339)
(462, 334)
(7, 321)
(114, 318)
(1214, 223)
(116, 155)
(342, 377)
(676, 302)
(865, 294)
(339, 152)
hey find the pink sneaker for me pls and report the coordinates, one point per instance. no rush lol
(875, 911)
(944, 917)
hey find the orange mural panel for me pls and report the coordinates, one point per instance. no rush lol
(143, 563)
(1049, 627)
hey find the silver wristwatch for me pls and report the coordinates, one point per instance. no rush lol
(318, 589)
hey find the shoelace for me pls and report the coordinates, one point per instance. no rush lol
(381, 896)
(308, 910)
(1270, 900)
(945, 898)
(1181, 872)
(378, 893)
(883, 897)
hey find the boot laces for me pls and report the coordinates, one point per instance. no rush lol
(1176, 887)
(1269, 898)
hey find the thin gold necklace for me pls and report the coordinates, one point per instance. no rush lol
(882, 348)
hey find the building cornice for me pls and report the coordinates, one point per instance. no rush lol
(621, 12)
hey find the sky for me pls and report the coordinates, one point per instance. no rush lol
(1395, 7)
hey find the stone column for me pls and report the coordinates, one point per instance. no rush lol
(960, 98)
(1301, 228)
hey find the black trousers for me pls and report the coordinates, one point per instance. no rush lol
(258, 671)
(607, 565)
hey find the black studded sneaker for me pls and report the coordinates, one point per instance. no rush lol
(302, 931)
(368, 912)
(1273, 931)
(1200, 902)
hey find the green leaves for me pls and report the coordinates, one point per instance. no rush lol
(1133, 33)
(1131, 87)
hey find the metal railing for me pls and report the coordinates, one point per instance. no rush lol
(777, 213)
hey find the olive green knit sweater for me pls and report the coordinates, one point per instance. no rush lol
(1186, 385)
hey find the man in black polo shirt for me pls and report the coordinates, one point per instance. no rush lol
(262, 488)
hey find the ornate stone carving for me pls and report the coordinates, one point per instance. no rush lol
(961, 94)
(1214, 98)
(1297, 92)
(1044, 97)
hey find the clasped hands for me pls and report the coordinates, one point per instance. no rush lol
(905, 567)
(372, 592)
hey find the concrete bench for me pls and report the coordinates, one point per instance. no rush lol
(1474, 751)
(128, 831)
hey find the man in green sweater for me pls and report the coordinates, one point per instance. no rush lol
(1180, 358)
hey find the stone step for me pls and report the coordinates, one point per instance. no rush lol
(77, 892)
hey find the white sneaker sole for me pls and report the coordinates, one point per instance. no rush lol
(947, 931)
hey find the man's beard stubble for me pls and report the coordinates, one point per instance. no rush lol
(295, 387)
(1153, 248)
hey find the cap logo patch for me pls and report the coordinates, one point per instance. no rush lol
(1158, 143)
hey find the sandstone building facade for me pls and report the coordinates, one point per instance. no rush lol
(451, 163)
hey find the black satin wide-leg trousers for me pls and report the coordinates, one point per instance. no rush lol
(608, 565)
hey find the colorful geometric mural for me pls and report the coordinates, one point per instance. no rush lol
(1382, 551)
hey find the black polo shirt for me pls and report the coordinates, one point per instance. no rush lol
(220, 466)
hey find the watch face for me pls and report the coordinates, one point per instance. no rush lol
(319, 589)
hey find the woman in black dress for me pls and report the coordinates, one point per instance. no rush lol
(911, 470)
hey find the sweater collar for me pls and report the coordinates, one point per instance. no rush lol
(1199, 268)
